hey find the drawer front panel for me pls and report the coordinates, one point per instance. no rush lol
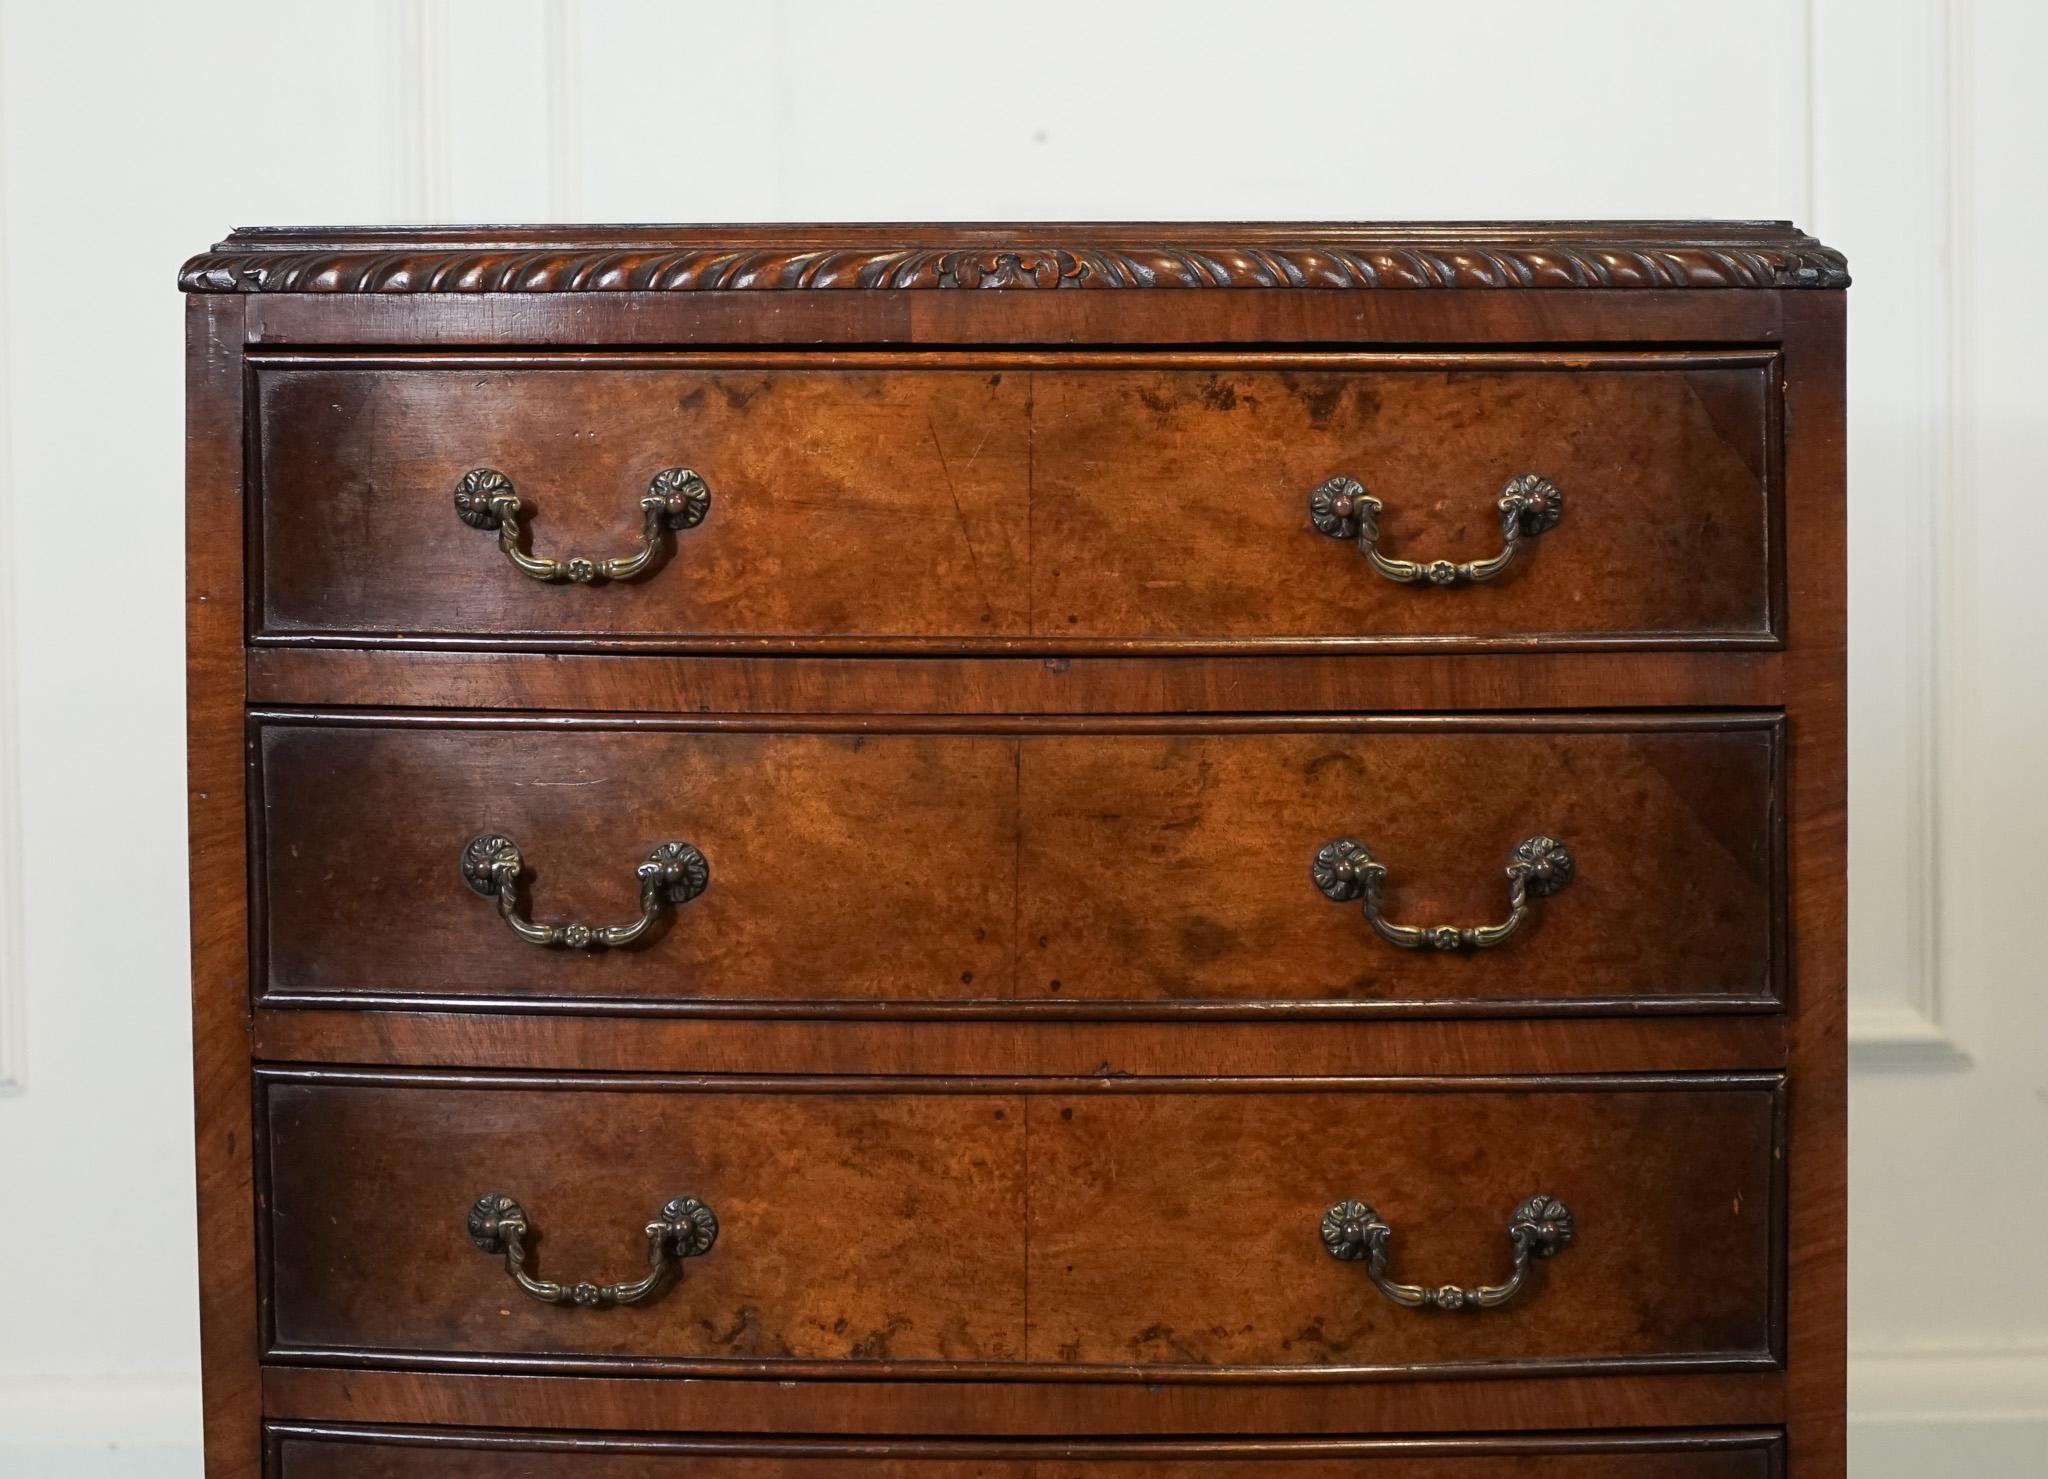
(1153, 1217)
(879, 1227)
(1044, 1228)
(340, 1453)
(1157, 867)
(1039, 503)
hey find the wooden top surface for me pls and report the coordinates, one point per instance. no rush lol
(803, 257)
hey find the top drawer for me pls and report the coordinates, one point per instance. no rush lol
(1015, 502)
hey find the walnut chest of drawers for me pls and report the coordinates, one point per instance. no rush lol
(1090, 851)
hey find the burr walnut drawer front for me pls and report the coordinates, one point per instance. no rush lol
(330, 1452)
(1022, 1228)
(1052, 502)
(1356, 865)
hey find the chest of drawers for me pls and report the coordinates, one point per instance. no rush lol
(1098, 851)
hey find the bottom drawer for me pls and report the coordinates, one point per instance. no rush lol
(297, 1452)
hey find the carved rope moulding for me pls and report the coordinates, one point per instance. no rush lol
(1577, 264)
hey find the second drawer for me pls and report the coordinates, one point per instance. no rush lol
(1048, 1228)
(1151, 866)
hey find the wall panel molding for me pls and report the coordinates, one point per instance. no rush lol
(13, 985)
(1891, 148)
(562, 55)
(416, 112)
(1949, 1384)
(90, 1415)
(1948, 503)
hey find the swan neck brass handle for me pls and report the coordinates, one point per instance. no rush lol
(676, 499)
(673, 874)
(1342, 509)
(1540, 1228)
(683, 1228)
(1345, 870)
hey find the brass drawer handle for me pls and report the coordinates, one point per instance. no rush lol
(676, 499)
(1341, 508)
(684, 1228)
(1540, 1228)
(1346, 869)
(673, 874)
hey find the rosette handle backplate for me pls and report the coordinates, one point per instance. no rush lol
(683, 1228)
(1541, 1227)
(1529, 505)
(1345, 869)
(676, 498)
(673, 874)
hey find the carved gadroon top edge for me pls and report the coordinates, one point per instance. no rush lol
(438, 262)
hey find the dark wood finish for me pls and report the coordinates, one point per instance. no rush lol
(1173, 1230)
(1149, 865)
(1549, 255)
(1053, 685)
(307, 1451)
(849, 1406)
(217, 818)
(455, 1033)
(1048, 504)
(879, 1227)
(1079, 1229)
(646, 303)
(1818, 527)
(1276, 316)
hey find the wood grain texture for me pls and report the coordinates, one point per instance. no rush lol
(301, 1451)
(1077, 1229)
(1054, 872)
(843, 867)
(1049, 506)
(217, 818)
(1178, 1230)
(539, 259)
(1818, 1231)
(898, 299)
(1174, 867)
(874, 1227)
(452, 1032)
(851, 1406)
(1058, 685)
(1272, 317)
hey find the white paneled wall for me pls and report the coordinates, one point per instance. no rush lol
(1947, 1318)
(12, 987)
(1904, 131)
